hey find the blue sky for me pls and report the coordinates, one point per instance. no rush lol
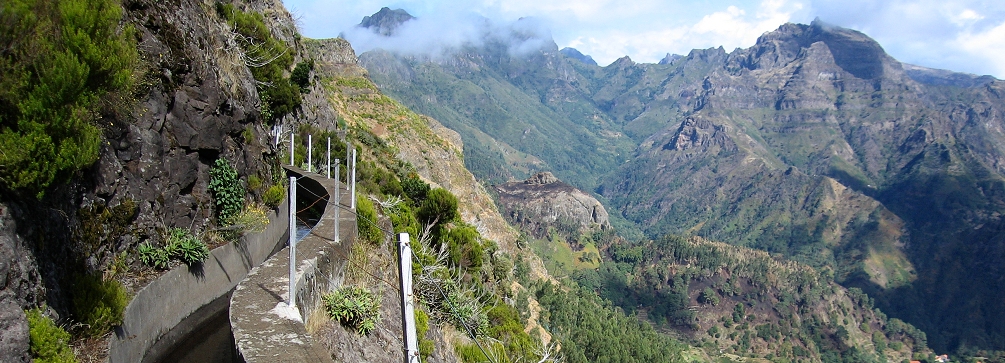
(965, 36)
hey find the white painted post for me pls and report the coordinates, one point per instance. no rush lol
(328, 170)
(407, 299)
(310, 151)
(338, 197)
(291, 150)
(276, 131)
(353, 185)
(292, 302)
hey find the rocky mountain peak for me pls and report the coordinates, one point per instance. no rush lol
(625, 61)
(851, 50)
(670, 58)
(542, 178)
(577, 55)
(385, 21)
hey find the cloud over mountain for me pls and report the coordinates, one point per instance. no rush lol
(441, 32)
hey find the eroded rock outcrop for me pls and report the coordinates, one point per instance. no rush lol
(543, 201)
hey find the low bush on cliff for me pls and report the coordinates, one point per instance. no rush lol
(182, 245)
(228, 193)
(274, 195)
(268, 59)
(60, 61)
(366, 225)
(49, 342)
(98, 304)
(356, 308)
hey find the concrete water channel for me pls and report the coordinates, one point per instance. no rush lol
(213, 340)
(185, 315)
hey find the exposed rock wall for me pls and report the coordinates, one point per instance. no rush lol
(543, 201)
(20, 288)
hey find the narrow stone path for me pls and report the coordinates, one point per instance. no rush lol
(265, 328)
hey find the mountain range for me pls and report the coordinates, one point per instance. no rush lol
(813, 145)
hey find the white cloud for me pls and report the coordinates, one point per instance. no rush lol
(966, 17)
(960, 35)
(989, 46)
(446, 29)
(731, 28)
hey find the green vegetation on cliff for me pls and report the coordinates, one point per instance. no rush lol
(269, 59)
(65, 64)
(733, 301)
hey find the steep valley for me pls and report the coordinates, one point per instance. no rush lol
(813, 144)
(807, 199)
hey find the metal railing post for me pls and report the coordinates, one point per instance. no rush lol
(293, 242)
(353, 185)
(407, 299)
(291, 150)
(338, 201)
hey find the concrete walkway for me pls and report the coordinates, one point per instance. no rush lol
(265, 328)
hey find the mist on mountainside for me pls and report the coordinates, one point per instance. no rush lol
(436, 35)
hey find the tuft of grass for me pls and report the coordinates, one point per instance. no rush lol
(181, 244)
(253, 219)
(154, 257)
(49, 342)
(98, 304)
(355, 307)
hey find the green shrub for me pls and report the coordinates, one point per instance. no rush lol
(501, 268)
(228, 193)
(414, 188)
(49, 342)
(426, 346)
(254, 182)
(60, 61)
(440, 206)
(154, 257)
(301, 75)
(181, 244)
(274, 195)
(366, 224)
(464, 248)
(709, 296)
(98, 304)
(470, 353)
(356, 308)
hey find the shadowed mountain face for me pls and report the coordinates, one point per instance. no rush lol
(812, 144)
(386, 20)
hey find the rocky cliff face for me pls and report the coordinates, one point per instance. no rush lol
(543, 201)
(195, 101)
